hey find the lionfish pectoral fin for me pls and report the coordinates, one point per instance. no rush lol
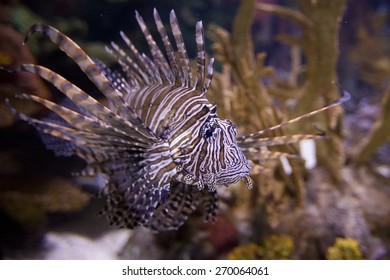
(180, 202)
(259, 143)
(209, 202)
(164, 193)
(91, 69)
(250, 137)
(55, 130)
(248, 182)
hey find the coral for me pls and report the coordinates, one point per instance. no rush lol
(379, 133)
(371, 55)
(320, 23)
(344, 249)
(250, 101)
(278, 247)
(275, 247)
(371, 51)
(250, 251)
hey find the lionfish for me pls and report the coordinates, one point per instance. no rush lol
(159, 142)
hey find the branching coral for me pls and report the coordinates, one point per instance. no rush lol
(251, 102)
(371, 55)
(379, 134)
(320, 23)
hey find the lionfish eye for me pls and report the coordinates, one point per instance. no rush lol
(209, 129)
(208, 132)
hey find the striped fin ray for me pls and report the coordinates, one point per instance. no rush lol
(116, 78)
(256, 135)
(183, 56)
(114, 164)
(92, 106)
(201, 55)
(209, 77)
(87, 66)
(131, 68)
(85, 123)
(79, 121)
(149, 72)
(83, 139)
(53, 129)
(181, 202)
(260, 155)
(132, 205)
(278, 140)
(174, 64)
(158, 57)
(104, 151)
(209, 201)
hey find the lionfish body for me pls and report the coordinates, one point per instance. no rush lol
(160, 142)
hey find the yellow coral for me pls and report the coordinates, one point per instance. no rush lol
(250, 251)
(278, 247)
(275, 247)
(344, 249)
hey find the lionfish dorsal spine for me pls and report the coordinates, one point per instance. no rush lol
(174, 64)
(209, 77)
(157, 55)
(130, 67)
(200, 56)
(182, 52)
(148, 73)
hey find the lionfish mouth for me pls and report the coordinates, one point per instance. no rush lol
(228, 177)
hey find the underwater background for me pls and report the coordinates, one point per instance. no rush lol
(275, 60)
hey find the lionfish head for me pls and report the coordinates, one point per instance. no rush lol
(224, 163)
